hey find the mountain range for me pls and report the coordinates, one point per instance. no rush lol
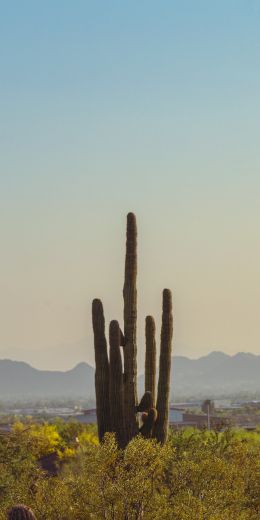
(214, 375)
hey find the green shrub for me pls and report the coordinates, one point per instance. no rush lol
(195, 476)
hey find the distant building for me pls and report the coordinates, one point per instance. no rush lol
(87, 417)
(175, 415)
(177, 418)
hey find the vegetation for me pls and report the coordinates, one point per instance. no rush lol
(194, 476)
(116, 392)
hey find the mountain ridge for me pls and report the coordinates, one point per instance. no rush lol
(212, 375)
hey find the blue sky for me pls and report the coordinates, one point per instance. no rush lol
(112, 106)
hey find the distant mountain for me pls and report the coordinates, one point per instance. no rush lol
(57, 357)
(18, 380)
(214, 375)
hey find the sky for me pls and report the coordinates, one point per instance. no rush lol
(111, 107)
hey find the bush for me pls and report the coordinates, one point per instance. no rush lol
(195, 476)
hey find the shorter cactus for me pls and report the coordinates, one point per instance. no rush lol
(163, 393)
(116, 391)
(21, 512)
(150, 356)
(102, 369)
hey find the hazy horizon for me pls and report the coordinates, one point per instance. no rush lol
(50, 359)
(144, 107)
(64, 365)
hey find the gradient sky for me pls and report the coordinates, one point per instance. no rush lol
(110, 107)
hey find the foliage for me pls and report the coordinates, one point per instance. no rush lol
(195, 476)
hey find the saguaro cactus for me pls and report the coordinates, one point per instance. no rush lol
(130, 317)
(102, 369)
(161, 426)
(116, 392)
(150, 357)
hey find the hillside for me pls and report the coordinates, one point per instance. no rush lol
(18, 380)
(214, 375)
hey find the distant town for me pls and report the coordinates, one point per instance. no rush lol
(207, 414)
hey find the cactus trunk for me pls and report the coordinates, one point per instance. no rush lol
(150, 357)
(102, 369)
(130, 317)
(116, 392)
(163, 394)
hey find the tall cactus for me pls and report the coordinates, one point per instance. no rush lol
(161, 426)
(150, 357)
(130, 318)
(116, 392)
(102, 369)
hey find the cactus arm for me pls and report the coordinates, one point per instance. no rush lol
(163, 394)
(102, 369)
(116, 392)
(150, 357)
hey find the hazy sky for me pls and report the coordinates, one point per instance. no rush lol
(110, 107)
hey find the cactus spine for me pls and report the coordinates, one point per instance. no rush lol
(161, 426)
(116, 392)
(150, 357)
(102, 369)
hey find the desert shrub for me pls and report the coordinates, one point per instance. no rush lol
(195, 476)
(214, 476)
(110, 483)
